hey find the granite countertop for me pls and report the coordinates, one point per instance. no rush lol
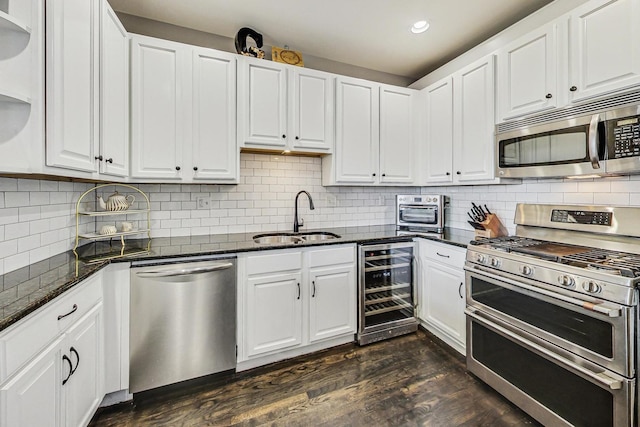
(25, 290)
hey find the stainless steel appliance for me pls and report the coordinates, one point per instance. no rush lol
(420, 214)
(552, 313)
(600, 143)
(183, 321)
(386, 291)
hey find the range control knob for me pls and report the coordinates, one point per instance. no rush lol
(481, 258)
(495, 262)
(566, 280)
(526, 270)
(591, 287)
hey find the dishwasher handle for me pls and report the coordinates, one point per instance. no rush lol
(184, 272)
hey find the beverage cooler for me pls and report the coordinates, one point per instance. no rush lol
(386, 291)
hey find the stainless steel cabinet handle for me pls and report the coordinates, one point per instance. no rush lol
(460, 289)
(443, 256)
(65, 358)
(598, 377)
(73, 310)
(298, 290)
(184, 272)
(593, 141)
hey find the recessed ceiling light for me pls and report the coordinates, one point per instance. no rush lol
(419, 27)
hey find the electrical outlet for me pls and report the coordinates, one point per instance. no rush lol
(332, 200)
(203, 202)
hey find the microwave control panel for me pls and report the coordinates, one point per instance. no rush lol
(624, 137)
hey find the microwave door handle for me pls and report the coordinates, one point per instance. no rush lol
(593, 141)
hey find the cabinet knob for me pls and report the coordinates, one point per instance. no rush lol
(384, 174)
(284, 136)
(99, 157)
(374, 174)
(448, 173)
(195, 168)
(177, 168)
(549, 96)
(573, 88)
(109, 160)
(458, 173)
(297, 137)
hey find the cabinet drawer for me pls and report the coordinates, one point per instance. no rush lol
(23, 340)
(443, 253)
(332, 256)
(274, 262)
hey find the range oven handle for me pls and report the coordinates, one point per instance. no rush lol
(598, 377)
(592, 138)
(587, 305)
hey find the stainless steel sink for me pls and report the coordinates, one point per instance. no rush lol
(320, 235)
(284, 238)
(277, 238)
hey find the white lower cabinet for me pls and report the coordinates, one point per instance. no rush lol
(292, 302)
(52, 362)
(442, 292)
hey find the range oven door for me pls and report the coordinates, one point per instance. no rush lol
(605, 336)
(554, 386)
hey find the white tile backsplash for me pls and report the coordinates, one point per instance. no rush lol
(37, 217)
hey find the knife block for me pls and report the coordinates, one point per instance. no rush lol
(493, 227)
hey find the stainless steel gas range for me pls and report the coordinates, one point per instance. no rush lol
(552, 313)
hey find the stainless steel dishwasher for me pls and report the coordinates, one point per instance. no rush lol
(182, 321)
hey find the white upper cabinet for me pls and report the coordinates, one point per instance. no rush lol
(214, 155)
(473, 122)
(281, 107)
(438, 147)
(357, 134)
(527, 74)
(183, 112)
(311, 110)
(72, 83)
(604, 55)
(114, 94)
(397, 141)
(157, 107)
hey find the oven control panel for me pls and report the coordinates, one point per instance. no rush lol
(581, 217)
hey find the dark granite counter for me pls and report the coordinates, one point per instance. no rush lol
(25, 290)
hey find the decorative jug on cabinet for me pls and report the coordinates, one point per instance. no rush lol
(117, 202)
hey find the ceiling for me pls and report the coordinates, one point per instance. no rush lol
(373, 34)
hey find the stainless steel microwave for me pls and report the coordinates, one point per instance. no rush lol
(604, 143)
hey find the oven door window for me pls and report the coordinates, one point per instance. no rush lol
(555, 147)
(419, 215)
(573, 398)
(583, 330)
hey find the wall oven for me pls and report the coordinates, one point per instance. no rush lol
(421, 214)
(386, 291)
(606, 142)
(552, 314)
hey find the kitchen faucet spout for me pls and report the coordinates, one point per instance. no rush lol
(299, 223)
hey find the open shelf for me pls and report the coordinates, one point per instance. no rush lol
(97, 236)
(110, 213)
(11, 23)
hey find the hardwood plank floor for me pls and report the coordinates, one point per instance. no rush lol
(414, 380)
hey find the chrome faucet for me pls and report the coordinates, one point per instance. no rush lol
(299, 223)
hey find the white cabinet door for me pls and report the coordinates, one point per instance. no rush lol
(396, 135)
(274, 312)
(332, 303)
(157, 107)
(604, 51)
(33, 396)
(262, 104)
(214, 152)
(473, 125)
(357, 131)
(71, 84)
(84, 389)
(527, 74)
(114, 94)
(439, 132)
(443, 299)
(311, 111)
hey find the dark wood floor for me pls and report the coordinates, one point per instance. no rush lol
(414, 380)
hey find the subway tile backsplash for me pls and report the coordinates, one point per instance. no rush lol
(37, 217)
